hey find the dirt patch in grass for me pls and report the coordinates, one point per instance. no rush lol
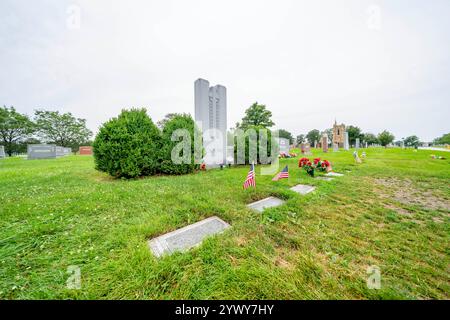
(406, 192)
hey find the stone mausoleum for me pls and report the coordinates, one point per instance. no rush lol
(211, 117)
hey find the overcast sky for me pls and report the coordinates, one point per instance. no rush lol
(375, 64)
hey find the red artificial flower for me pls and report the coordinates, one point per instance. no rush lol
(316, 160)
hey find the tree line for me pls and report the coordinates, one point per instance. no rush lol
(17, 130)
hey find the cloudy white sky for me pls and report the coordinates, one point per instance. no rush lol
(376, 64)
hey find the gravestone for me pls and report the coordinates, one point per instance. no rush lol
(357, 143)
(41, 151)
(2, 152)
(265, 203)
(346, 143)
(85, 151)
(303, 189)
(335, 147)
(188, 237)
(356, 157)
(366, 145)
(283, 143)
(67, 151)
(302, 148)
(325, 143)
(307, 150)
(315, 144)
(324, 178)
(334, 174)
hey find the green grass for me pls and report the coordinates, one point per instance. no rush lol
(57, 213)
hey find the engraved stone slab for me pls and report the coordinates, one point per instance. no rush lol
(265, 203)
(325, 178)
(188, 237)
(303, 189)
(2, 152)
(334, 174)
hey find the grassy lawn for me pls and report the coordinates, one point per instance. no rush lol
(392, 211)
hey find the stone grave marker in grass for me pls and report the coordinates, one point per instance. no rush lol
(265, 203)
(303, 189)
(325, 178)
(334, 174)
(188, 237)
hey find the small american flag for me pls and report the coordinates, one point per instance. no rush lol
(284, 174)
(250, 180)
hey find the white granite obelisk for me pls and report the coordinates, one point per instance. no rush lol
(346, 142)
(211, 117)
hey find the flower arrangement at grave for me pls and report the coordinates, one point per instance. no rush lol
(317, 164)
(293, 155)
(306, 164)
(203, 167)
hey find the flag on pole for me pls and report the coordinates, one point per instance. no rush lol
(250, 180)
(284, 174)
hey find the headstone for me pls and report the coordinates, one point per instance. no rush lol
(315, 144)
(334, 174)
(85, 151)
(303, 189)
(325, 143)
(187, 237)
(356, 157)
(284, 145)
(357, 143)
(335, 147)
(67, 151)
(307, 150)
(265, 203)
(2, 152)
(346, 143)
(324, 178)
(302, 148)
(366, 145)
(41, 151)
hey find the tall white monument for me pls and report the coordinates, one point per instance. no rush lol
(211, 117)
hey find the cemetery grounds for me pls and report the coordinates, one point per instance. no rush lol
(392, 211)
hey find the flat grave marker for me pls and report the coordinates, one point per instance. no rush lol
(325, 178)
(187, 237)
(334, 174)
(265, 203)
(303, 189)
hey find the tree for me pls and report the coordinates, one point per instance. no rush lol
(257, 115)
(445, 139)
(300, 138)
(370, 138)
(128, 146)
(385, 138)
(286, 134)
(176, 124)
(14, 127)
(329, 133)
(312, 136)
(412, 141)
(62, 129)
(170, 116)
(353, 134)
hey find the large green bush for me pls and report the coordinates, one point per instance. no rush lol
(128, 146)
(179, 121)
(266, 134)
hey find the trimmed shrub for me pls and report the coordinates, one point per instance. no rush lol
(128, 146)
(170, 147)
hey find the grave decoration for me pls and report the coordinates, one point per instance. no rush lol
(437, 157)
(317, 164)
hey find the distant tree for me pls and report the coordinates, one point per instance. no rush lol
(412, 141)
(370, 138)
(62, 129)
(385, 138)
(300, 138)
(257, 115)
(170, 116)
(14, 127)
(286, 134)
(353, 134)
(329, 133)
(313, 135)
(445, 139)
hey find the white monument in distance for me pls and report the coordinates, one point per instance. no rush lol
(211, 117)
